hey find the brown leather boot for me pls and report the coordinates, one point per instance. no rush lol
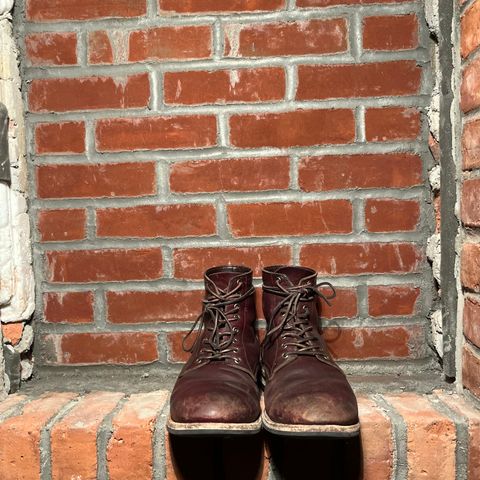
(306, 393)
(217, 390)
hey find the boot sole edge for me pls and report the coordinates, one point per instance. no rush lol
(211, 428)
(341, 431)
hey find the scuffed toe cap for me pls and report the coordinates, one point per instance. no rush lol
(298, 399)
(228, 398)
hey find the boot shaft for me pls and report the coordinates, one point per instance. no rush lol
(226, 334)
(229, 283)
(280, 281)
(291, 308)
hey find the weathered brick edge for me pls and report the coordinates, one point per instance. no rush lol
(109, 435)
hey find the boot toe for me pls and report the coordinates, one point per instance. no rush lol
(315, 408)
(311, 400)
(220, 400)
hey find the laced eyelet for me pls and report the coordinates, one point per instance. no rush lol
(236, 360)
(285, 355)
(198, 360)
(235, 330)
(304, 308)
(235, 350)
(236, 317)
(284, 346)
(235, 305)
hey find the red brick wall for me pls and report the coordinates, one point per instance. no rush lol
(470, 205)
(168, 136)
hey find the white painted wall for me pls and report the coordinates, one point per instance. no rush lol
(16, 274)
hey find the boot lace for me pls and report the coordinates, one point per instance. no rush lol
(218, 343)
(295, 324)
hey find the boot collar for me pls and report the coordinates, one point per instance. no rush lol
(288, 276)
(227, 277)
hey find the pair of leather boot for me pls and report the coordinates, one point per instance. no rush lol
(305, 392)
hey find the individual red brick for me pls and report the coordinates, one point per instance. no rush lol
(428, 431)
(471, 145)
(391, 215)
(363, 343)
(328, 3)
(90, 93)
(309, 37)
(272, 219)
(376, 438)
(99, 47)
(68, 307)
(74, 437)
(129, 450)
(390, 32)
(170, 43)
(191, 263)
(339, 172)
(12, 332)
(60, 138)
(199, 6)
(434, 147)
(155, 133)
(153, 221)
(101, 180)
(392, 300)
(224, 86)
(55, 10)
(471, 320)
(472, 414)
(101, 348)
(49, 48)
(20, 436)
(292, 129)
(361, 258)
(84, 266)
(61, 225)
(470, 268)
(344, 305)
(359, 80)
(471, 370)
(470, 204)
(470, 86)
(230, 175)
(175, 352)
(392, 123)
(151, 307)
(470, 30)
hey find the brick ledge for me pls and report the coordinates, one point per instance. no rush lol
(111, 435)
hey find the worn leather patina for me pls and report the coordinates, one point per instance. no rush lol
(303, 384)
(219, 381)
